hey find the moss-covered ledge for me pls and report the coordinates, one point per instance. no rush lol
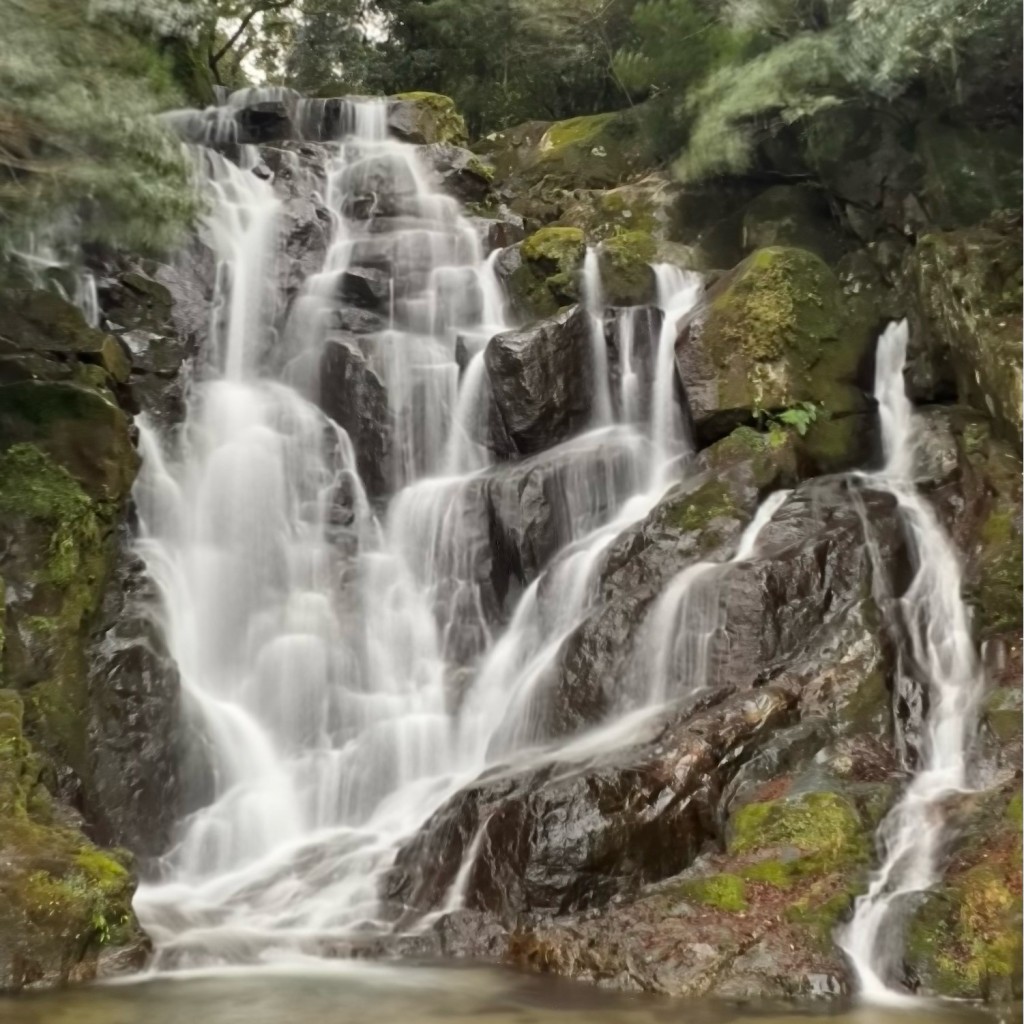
(774, 335)
(425, 118)
(964, 939)
(63, 901)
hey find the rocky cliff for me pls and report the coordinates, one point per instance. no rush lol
(717, 853)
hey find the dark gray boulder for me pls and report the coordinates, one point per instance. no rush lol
(541, 379)
(569, 836)
(354, 397)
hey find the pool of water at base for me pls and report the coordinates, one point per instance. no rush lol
(361, 993)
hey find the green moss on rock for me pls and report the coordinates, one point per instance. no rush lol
(626, 272)
(964, 940)
(722, 892)
(58, 554)
(435, 118)
(709, 513)
(555, 247)
(548, 276)
(769, 456)
(594, 151)
(969, 288)
(773, 336)
(42, 321)
(824, 826)
(1000, 581)
(779, 300)
(79, 427)
(61, 897)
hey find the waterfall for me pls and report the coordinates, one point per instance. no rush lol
(679, 292)
(940, 655)
(593, 303)
(340, 672)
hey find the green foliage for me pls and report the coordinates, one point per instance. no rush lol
(723, 892)
(675, 44)
(799, 416)
(33, 487)
(81, 155)
(504, 61)
(805, 58)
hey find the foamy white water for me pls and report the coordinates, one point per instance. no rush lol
(317, 660)
(941, 657)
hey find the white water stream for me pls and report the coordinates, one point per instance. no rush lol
(940, 655)
(344, 680)
(317, 674)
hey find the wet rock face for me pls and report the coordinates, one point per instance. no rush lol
(299, 172)
(625, 869)
(541, 381)
(566, 837)
(67, 463)
(538, 504)
(161, 316)
(459, 172)
(132, 793)
(968, 288)
(356, 399)
(783, 614)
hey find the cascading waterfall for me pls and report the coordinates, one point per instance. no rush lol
(687, 618)
(593, 303)
(317, 641)
(940, 655)
(316, 665)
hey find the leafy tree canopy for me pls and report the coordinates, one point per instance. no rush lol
(81, 154)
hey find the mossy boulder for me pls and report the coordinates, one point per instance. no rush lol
(425, 118)
(964, 939)
(711, 512)
(547, 275)
(770, 458)
(983, 507)
(823, 829)
(43, 322)
(62, 899)
(997, 585)
(772, 337)
(812, 846)
(593, 151)
(56, 556)
(648, 205)
(79, 426)
(627, 276)
(968, 286)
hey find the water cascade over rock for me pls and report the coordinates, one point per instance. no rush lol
(489, 617)
(348, 670)
(941, 659)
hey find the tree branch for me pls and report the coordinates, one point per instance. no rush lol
(270, 5)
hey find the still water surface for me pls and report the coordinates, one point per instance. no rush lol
(372, 994)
